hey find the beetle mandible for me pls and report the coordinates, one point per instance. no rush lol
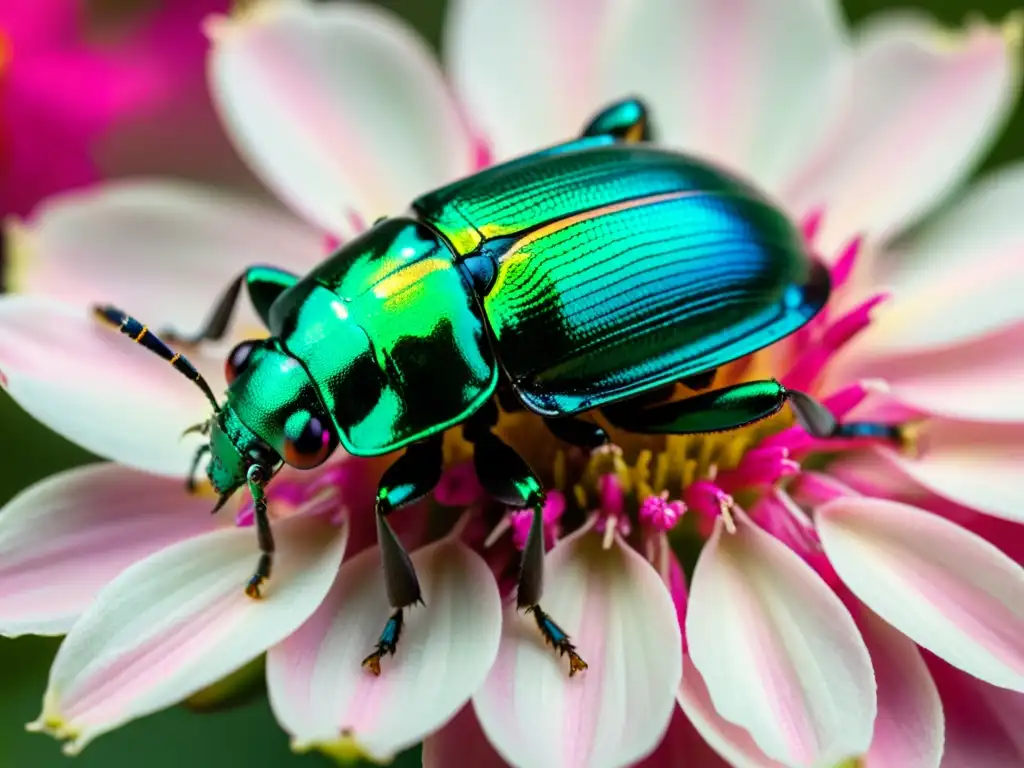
(576, 278)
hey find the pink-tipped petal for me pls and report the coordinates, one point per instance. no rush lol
(338, 108)
(616, 610)
(526, 69)
(325, 699)
(733, 743)
(909, 728)
(64, 539)
(974, 464)
(779, 652)
(982, 721)
(461, 742)
(924, 107)
(179, 621)
(970, 258)
(95, 387)
(947, 589)
(716, 71)
(977, 379)
(165, 251)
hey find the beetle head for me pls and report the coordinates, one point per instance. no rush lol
(272, 414)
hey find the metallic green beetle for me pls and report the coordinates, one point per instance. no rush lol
(576, 278)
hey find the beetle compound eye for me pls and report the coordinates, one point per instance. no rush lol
(238, 360)
(307, 441)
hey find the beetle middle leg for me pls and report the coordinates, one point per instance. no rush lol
(506, 476)
(409, 479)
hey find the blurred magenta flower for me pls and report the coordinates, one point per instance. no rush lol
(860, 607)
(92, 89)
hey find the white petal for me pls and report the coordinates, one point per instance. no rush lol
(978, 379)
(325, 698)
(974, 464)
(616, 609)
(959, 277)
(727, 739)
(947, 589)
(64, 539)
(339, 108)
(179, 621)
(526, 68)
(909, 728)
(924, 108)
(752, 84)
(162, 250)
(778, 650)
(95, 387)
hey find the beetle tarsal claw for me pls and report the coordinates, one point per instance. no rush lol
(387, 643)
(252, 589)
(556, 637)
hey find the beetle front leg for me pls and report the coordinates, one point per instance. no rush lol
(257, 477)
(505, 475)
(410, 478)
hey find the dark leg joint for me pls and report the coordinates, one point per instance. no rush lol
(556, 637)
(819, 422)
(578, 432)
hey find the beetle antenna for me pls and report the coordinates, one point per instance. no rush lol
(140, 334)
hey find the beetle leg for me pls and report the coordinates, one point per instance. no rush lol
(625, 120)
(410, 478)
(506, 476)
(257, 477)
(819, 422)
(718, 410)
(578, 432)
(264, 285)
(737, 406)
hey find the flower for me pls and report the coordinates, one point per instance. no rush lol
(860, 606)
(88, 93)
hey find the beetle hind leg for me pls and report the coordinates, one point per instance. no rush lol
(410, 478)
(506, 476)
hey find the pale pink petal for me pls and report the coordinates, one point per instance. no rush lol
(526, 69)
(338, 108)
(162, 250)
(974, 464)
(947, 589)
(909, 727)
(733, 743)
(95, 387)
(461, 742)
(65, 538)
(977, 379)
(982, 721)
(923, 109)
(970, 257)
(752, 84)
(180, 620)
(325, 699)
(616, 609)
(779, 653)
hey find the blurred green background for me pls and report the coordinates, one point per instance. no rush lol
(247, 735)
